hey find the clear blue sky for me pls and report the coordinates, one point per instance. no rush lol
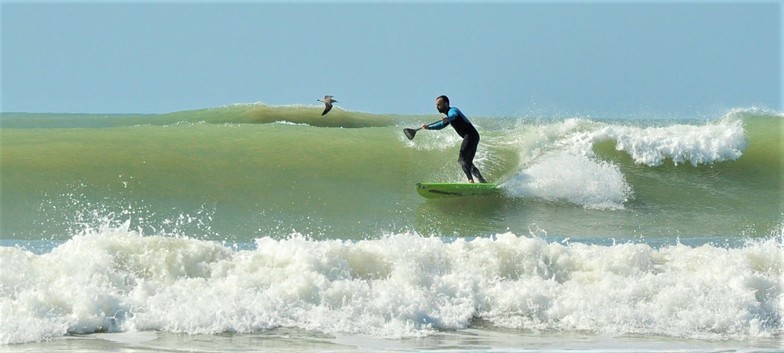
(496, 59)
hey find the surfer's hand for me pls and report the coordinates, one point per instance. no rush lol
(424, 127)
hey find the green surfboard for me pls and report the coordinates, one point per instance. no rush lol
(442, 190)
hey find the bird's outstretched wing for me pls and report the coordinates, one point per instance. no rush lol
(327, 108)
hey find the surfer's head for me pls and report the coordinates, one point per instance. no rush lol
(442, 104)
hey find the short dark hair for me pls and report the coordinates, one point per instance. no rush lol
(445, 98)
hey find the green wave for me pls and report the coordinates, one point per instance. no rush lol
(253, 170)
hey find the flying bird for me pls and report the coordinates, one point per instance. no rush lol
(328, 100)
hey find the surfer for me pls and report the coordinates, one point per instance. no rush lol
(466, 130)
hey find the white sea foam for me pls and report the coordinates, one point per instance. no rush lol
(558, 160)
(561, 176)
(557, 166)
(283, 122)
(402, 285)
(695, 144)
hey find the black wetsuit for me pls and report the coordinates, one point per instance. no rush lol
(470, 136)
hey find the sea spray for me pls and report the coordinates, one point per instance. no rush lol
(560, 176)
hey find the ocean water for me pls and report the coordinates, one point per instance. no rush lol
(266, 228)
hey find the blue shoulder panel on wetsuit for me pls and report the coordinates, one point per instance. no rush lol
(451, 115)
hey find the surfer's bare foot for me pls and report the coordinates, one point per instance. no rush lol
(470, 181)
